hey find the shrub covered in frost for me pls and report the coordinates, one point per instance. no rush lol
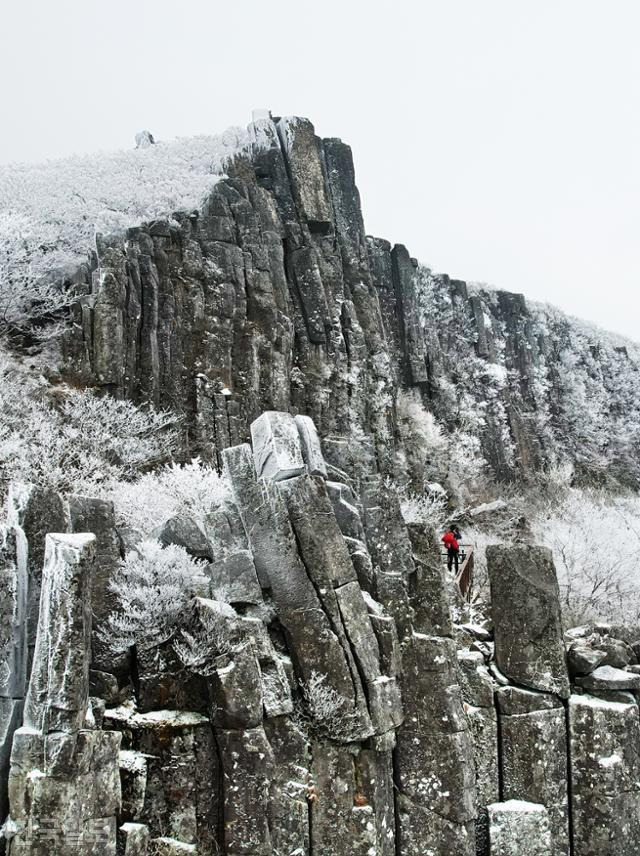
(194, 489)
(154, 588)
(75, 441)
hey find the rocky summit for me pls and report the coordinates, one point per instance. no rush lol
(327, 688)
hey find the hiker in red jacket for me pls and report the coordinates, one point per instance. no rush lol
(451, 543)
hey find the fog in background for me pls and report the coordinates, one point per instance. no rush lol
(498, 140)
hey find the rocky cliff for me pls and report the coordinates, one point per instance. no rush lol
(348, 705)
(272, 297)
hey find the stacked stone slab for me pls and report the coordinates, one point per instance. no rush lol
(529, 651)
(533, 750)
(170, 773)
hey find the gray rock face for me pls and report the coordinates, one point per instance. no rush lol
(605, 794)
(519, 828)
(97, 516)
(269, 315)
(526, 616)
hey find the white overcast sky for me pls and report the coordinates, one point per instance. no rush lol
(498, 139)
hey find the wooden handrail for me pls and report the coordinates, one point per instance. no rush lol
(464, 579)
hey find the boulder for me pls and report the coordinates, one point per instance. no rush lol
(525, 606)
(582, 660)
(617, 653)
(183, 531)
(519, 828)
(607, 678)
(277, 450)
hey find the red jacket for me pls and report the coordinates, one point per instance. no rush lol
(450, 541)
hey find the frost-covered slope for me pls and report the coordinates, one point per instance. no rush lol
(50, 212)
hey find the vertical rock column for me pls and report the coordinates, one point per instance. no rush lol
(604, 737)
(304, 564)
(64, 786)
(13, 649)
(434, 762)
(529, 652)
(30, 512)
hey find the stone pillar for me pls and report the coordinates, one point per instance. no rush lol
(533, 753)
(605, 776)
(525, 606)
(59, 686)
(13, 648)
(477, 691)
(64, 785)
(97, 516)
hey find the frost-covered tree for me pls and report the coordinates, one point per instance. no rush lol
(323, 710)
(205, 638)
(154, 588)
(595, 539)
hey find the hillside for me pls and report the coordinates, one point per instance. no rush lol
(233, 428)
